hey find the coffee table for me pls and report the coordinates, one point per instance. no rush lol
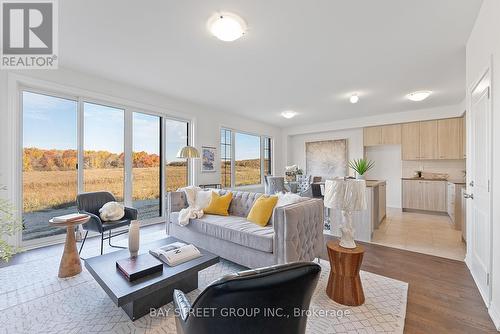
(138, 297)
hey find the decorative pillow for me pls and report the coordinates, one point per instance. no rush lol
(289, 198)
(262, 210)
(203, 198)
(219, 204)
(112, 211)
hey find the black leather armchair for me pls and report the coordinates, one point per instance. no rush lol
(90, 203)
(268, 300)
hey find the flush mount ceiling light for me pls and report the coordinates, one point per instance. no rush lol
(227, 27)
(354, 98)
(289, 114)
(418, 96)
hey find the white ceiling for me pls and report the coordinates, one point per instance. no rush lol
(302, 55)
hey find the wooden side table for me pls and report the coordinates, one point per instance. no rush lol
(70, 261)
(344, 284)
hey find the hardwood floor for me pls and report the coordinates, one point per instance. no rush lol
(442, 297)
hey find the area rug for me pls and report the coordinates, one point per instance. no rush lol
(34, 300)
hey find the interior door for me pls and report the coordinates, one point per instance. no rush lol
(479, 224)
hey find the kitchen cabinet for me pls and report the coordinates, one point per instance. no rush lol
(450, 138)
(464, 138)
(428, 140)
(424, 195)
(391, 134)
(382, 202)
(372, 136)
(410, 141)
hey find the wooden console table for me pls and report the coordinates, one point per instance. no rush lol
(70, 261)
(344, 284)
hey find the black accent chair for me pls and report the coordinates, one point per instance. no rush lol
(90, 203)
(284, 290)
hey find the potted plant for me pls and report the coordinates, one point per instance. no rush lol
(9, 225)
(361, 166)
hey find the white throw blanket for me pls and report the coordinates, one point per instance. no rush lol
(192, 211)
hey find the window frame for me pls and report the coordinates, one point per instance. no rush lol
(17, 84)
(262, 137)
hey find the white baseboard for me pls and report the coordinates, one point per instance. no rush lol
(494, 313)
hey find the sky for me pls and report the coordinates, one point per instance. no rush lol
(51, 123)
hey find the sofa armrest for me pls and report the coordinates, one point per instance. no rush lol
(298, 231)
(176, 201)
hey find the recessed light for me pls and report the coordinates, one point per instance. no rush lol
(289, 114)
(227, 27)
(354, 98)
(419, 96)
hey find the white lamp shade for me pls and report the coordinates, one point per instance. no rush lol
(188, 152)
(348, 195)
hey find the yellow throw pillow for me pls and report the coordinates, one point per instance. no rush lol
(219, 204)
(262, 210)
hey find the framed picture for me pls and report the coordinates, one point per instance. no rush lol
(208, 159)
(327, 158)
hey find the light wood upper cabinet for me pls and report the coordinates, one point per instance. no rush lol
(410, 141)
(429, 140)
(391, 134)
(450, 141)
(372, 136)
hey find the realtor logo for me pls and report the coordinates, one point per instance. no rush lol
(29, 34)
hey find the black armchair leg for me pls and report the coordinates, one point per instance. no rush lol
(83, 242)
(109, 240)
(102, 241)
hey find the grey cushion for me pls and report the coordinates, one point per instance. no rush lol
(232, 228)
(242, 202)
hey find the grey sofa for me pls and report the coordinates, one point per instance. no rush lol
(294, 232)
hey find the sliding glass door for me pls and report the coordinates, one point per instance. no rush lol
(146, 160)
(103, 149)
(176, 169)
(113, 144)
(49, 162)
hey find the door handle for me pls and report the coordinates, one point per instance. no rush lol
(471, 196)
(471, 183)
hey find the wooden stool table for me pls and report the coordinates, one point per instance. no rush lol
(344, 284)
(70, 261)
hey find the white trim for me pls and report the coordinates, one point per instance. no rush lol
(494, 313)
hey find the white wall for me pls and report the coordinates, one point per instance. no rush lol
(297, 144)
(387, 167)
(483, 48)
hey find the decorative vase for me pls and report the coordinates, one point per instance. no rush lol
(133, 238)
(360, 176)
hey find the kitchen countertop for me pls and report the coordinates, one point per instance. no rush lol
(424, 179)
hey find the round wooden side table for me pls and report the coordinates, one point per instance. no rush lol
(70, 261)
(344, 284)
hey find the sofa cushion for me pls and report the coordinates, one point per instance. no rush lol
(232, 228)
(219, 204)
(242, 202)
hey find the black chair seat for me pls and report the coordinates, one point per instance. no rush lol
(106, 226)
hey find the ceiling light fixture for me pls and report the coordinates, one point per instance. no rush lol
(289, 114)
(354, 98)
(419, 96)
(227, 27)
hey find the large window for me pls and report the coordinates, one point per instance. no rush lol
(146, 160)
(245, 158)
(103, 147)
(49, 169)
(176, 169)
(225, 158)
(117, 145)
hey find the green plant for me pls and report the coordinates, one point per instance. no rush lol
(9, 225)
(361, 166)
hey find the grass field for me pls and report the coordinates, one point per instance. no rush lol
(57, 189)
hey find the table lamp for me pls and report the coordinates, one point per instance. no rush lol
(348, 196)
